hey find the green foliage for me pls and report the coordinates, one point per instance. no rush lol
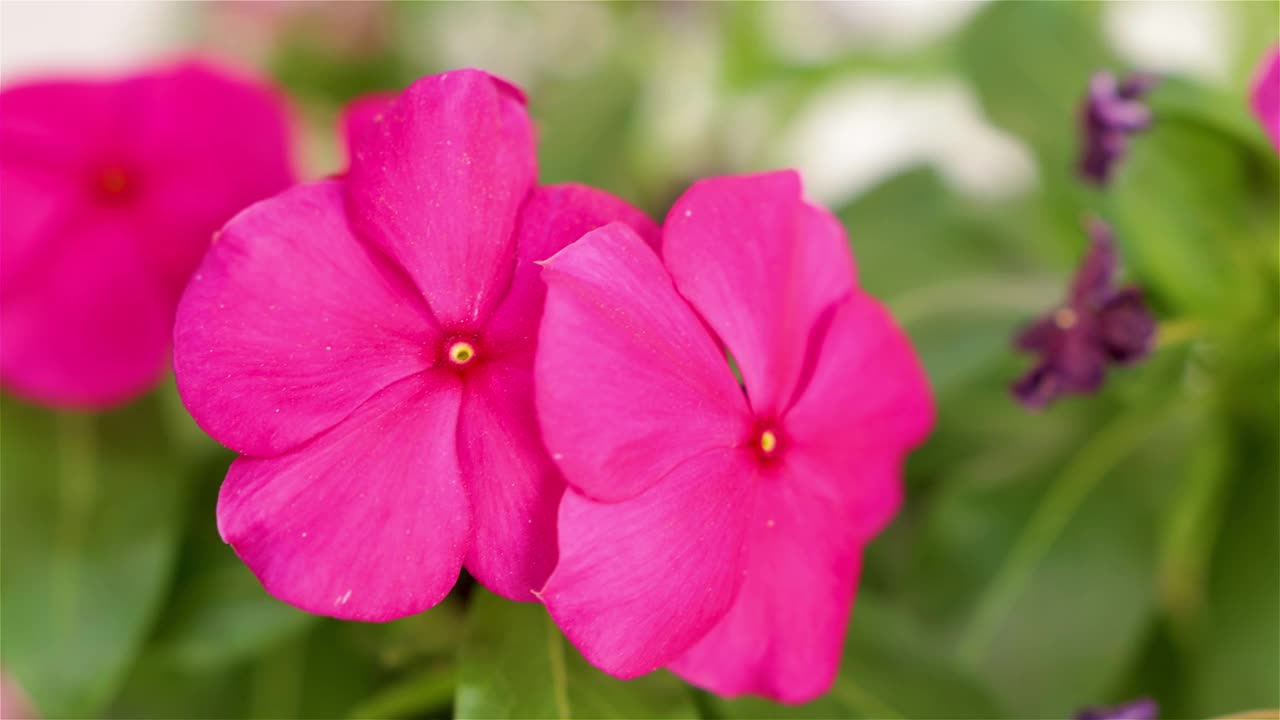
(514, 663)
(91, 508)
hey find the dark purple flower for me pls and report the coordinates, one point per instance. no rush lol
(1098, 325)
(1144, 709)
(1112, 112)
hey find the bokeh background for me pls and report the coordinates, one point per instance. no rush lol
(1115, 546)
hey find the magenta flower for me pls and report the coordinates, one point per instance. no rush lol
(111, 191)
(1099, 324)
(1266, 95)
(718, 529)
(367, 343)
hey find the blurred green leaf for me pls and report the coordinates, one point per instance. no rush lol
(1065, 613)
(1237, 660)
(1030, 63)
(516, 664)
(225, 615)
(91, 520)
(891, 668)
(1183, 205)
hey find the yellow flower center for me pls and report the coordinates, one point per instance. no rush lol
(768, 442)
(1065, 318)
(461, 352)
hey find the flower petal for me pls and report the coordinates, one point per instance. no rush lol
(360, 116)
(95, 329)
(368, 521)
(1127, 327)
(783, 636)
(514, 488)
(760, 266)
(438, 183)
(553, 217)
(640, 581)
(206, 144)
(628, 382)
(868, 391)
(291, 322)
(1264, 95)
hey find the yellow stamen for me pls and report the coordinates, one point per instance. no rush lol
(461, 352)
(768, 441)
(1065, 318)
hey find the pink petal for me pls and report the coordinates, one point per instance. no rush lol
(94, 332)
(866, 404)
(369, 521)
(438, 185)
(760, 266)
(1265, 97)
(360, 115)
(57, 125)
(291, 322)
(640, 581)
(553, 217)
(629, 383)
(205, 145)
(783, 636)
(514, 488)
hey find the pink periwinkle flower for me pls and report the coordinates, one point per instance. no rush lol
(367, 344)
(111, 190)
(1266, 95)
(713, 528)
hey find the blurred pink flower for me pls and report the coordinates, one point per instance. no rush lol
(718, 529)
(14, 704)
(111, 191)
(1266, 94)
(367, 343)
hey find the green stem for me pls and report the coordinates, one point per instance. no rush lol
(76, 491)
(559, 678)
(1107, 448)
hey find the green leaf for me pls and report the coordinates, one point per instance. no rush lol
(1194, 213)
(891, 668)
(516, 664)
(225, 615)
(1030, 63)
(91, 519)
(1065, 611)
(1237, 659)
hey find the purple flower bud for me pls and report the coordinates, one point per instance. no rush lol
(1098, 325)
(1144, 709)
(1112, 112)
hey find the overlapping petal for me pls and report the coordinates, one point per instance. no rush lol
(368, 521)
(783, 636)
(760, 266)
(639, 581)
(868, 389)
(291, 322)
(553, 217)
(514, 488)
(437, 184)
(628, 382)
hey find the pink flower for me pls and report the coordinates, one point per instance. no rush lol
(367, 343)
(1266, 95)
(110, 193)
(718, 529)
